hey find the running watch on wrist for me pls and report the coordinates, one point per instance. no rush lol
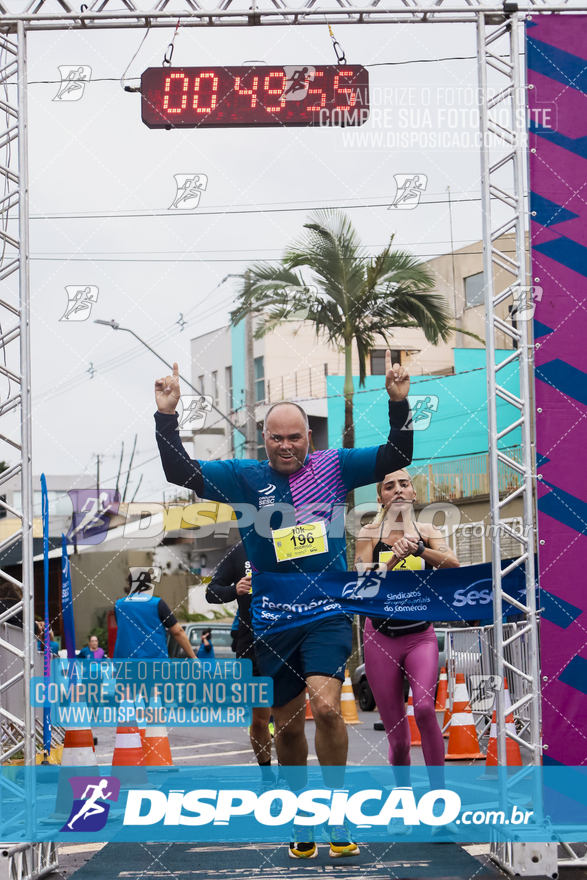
(421, 548)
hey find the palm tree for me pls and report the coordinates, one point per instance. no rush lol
(351, 295)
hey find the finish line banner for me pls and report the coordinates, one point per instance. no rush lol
(281, 601)
(232, 804)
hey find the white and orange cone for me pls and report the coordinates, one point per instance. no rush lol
(442, 691)
(128, 757)
(309, 715)
(463, 744)
(78, 748)
(446, 721)
(415, 735)
(348, 707)
(156, 747)
(141, 708)
(78, 755)
(513, 757)
(156, 743)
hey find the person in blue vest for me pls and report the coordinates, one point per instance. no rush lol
(291, 521)
(143, 622)
(206, 649)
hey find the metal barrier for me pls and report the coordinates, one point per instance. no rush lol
(20, 861)
(471, 651)
(12, 697)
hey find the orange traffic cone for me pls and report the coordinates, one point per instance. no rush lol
(415, 735)
(442, 691)
(140, 707)
(309, 715)
(446, 721)
(128, 755)
(513, 758)
(348, 706)
(157, 749)
(78, 755)
(463, 744)
(78, 748)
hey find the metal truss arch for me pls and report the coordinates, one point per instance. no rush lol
(499, 46)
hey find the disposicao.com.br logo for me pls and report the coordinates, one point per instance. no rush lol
(282, 806)
(311, 807)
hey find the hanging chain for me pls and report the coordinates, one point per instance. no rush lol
(338, 50)
(169, 51)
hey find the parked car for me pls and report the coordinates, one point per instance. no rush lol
(221, 639)
(362, 688)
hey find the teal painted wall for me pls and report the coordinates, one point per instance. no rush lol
(457, 428)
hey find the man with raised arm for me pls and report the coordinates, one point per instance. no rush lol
(296, 528)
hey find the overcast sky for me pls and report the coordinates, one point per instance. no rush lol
(95, 158)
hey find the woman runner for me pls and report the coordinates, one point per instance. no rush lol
(396, 648)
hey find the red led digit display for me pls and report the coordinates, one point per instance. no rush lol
(220, 97)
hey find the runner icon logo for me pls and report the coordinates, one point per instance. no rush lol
(73, 81)
(409, 191)
(422, 408)
(194, 411)
(188, 190)
(365, 587)
(90, 809)
(80, 299)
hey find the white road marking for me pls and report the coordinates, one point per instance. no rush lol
(214, 754)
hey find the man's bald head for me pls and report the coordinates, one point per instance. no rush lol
(281, 403)
(287, 437)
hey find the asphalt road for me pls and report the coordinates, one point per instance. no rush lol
(230, 745)
(214, 746)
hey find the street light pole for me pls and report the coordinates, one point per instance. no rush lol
(115, 326)
(250, 423)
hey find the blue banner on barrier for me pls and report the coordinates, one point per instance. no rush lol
(232, 804)
(67, 600)
(288, 600)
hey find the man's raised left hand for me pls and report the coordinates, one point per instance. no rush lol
(397, 379)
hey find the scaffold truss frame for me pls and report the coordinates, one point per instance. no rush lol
(496, 25)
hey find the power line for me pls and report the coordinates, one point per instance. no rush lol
(139, 215)
(134, 352)
(52, 82)
(431, 255)
(237, 250)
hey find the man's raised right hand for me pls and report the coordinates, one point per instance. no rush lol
(167, 392)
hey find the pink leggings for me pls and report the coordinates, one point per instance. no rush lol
(387, 660)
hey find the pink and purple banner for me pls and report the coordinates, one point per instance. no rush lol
(557, 77)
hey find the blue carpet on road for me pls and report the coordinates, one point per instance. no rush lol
(132, 861)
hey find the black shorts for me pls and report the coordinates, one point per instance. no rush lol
(250, 654)
(289, 657)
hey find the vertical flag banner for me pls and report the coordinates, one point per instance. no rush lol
(67, 601)
(557, 97)
(47, 639)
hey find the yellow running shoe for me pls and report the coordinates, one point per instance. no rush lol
(341, 845)
(302, 850)
(303, 844)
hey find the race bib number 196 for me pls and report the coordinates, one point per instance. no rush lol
(295, 542)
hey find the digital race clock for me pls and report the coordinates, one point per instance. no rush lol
(219, 97)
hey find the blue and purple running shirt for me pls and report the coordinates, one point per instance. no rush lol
(317, 492)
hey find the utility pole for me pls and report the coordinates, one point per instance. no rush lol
(98, 457)
(132, 455)
(452, 253)
(250, 421)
